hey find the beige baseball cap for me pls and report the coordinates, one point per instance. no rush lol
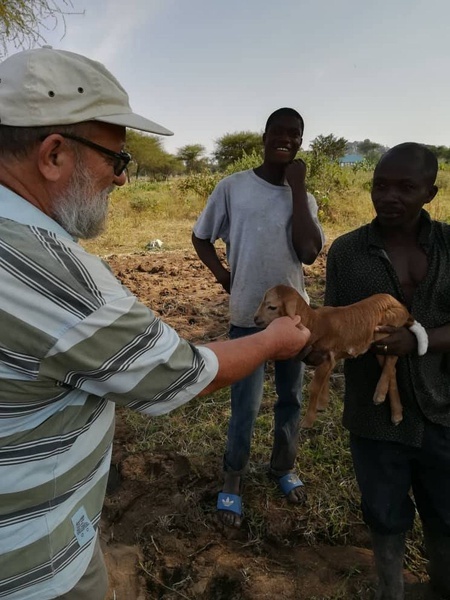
(44, 87)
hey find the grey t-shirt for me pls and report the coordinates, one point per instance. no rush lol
(254, 219)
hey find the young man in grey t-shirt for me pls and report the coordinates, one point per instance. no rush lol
(270, 226)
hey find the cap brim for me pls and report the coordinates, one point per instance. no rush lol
(134, 121)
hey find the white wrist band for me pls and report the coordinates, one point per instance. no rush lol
(422, 337)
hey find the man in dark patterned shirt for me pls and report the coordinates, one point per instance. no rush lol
(405, 253)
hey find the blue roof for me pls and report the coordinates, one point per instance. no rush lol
(351, 158)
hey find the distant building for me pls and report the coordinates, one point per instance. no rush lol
(351, 159)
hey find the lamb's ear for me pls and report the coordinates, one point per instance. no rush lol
(290, 306)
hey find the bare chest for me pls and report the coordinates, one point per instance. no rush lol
(410, 265)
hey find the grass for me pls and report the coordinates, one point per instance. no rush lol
(143, 211)
(199, 428)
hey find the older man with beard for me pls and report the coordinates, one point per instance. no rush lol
(73, 341)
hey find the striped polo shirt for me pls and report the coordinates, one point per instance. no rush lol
(73, 343)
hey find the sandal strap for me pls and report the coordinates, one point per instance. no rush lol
(289, 482)
(230, 502)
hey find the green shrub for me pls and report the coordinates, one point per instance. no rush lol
(142, 204)
(326, 180)
(201, 184)
(142, 185)
(248, 161)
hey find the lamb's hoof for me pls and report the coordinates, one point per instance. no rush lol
(396, 420)
(379, 399)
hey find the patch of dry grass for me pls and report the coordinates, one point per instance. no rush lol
(143, 211)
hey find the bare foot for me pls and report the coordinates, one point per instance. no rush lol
(297, 495)
(231, 485)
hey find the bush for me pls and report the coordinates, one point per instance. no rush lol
(326, 180)
(201, 184)
(366, 166)
(142, 204)
(248, 161)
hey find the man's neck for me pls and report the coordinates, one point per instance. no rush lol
(407, 234)
(272, 173)
(20, 180)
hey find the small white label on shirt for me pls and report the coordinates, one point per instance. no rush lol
(82, 527)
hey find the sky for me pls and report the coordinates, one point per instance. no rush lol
(204, 68)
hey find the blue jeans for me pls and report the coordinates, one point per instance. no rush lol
(246, 396)
(386, 471)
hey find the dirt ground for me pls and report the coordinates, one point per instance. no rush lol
(159, 531)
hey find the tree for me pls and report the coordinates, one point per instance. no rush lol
(372, 151)
(367, 147)
(232, 147)
(193, 157)
(442, 152)
(22, 21)
(149, 157)
(329, 145)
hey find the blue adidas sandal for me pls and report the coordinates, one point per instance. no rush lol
(230, 502)
(289, 482)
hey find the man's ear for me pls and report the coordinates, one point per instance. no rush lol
(432, 193)
(55, 158)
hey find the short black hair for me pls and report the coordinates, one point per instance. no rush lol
(417, 152)
(285, 111)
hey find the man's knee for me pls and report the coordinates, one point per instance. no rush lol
(387, 518)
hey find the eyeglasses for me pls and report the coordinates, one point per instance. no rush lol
(121, 159)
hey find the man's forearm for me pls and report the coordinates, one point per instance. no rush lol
(208, 255)
(237, 359)
(306, 234)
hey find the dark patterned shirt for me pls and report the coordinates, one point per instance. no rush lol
(357, 267)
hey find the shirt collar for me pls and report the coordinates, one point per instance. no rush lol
(18, 209)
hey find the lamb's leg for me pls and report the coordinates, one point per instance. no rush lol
(324, 395)
(388, 384)
(394, 398)
(320, 378)
(383, 383)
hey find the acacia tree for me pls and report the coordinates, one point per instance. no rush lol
(149, 157)
(233, 146)
(372, 151)
(22, 21)
(193, 157)
(329, 145)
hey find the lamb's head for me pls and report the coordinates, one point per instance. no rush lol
(278, 301)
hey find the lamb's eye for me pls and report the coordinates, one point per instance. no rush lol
(272, 307)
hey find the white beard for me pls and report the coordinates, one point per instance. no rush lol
(79, 210)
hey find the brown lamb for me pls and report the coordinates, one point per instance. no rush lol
(341, 332)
